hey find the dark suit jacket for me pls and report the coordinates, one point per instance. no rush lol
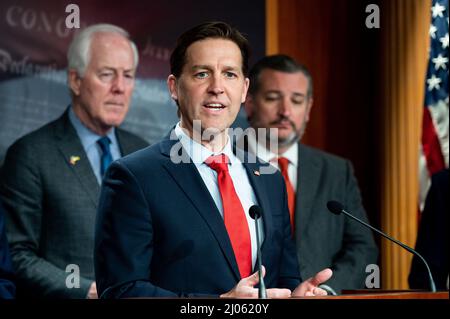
(433, 239)
(159, 232)
(7, 287)
(322, 238)
(51, 206)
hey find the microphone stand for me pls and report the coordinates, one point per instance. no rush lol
(262, 293)
(336, 208)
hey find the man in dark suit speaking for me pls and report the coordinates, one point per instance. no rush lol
(51, 177)
(281, 97)
(173, 219)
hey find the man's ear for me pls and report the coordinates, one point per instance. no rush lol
(245, 92)
(74, 81)
(308, 108)
(172, 86)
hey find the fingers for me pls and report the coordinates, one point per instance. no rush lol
(319, 292)
(315, 292)
(245, 288)
(321, 277)
(309, 287)
(307, 290)
(301, 290)
(253, 279)
(278, 293)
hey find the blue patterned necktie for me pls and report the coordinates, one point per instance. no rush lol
(106, 157)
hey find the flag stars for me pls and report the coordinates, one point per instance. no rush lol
(434, 83)
(444, 41)
(438, 10)
(433, 30)
(440, 62)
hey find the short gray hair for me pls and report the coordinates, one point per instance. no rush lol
(78, 55)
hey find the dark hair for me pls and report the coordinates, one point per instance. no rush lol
(203, 31)
(279, 62)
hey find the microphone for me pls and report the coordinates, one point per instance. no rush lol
(337, 208)
(255, 212)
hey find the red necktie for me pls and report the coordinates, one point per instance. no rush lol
(283, 162)
(233, 215)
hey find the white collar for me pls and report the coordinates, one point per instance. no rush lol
(266, 155)
(199, 153)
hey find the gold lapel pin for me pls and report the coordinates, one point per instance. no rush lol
(74, 159)
(257, 173)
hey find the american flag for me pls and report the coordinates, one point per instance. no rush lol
(435, 126)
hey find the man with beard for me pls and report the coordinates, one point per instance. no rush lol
(281, 97)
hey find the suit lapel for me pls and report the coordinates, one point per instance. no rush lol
(191, 183)
(124, 145)
(74, 156)
(308, 181)
(253, 173)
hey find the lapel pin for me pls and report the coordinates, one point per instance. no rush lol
(74, 159)
(257, 173)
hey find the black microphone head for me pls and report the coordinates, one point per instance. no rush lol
(335, 207)
(255, 212)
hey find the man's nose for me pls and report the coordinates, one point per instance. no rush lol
(216, 85)
(285, 107)
(118, 85)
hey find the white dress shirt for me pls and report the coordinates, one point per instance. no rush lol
(198, 153)
(266, 155)
(89, 141)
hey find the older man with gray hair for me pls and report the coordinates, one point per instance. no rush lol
(51, 177)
